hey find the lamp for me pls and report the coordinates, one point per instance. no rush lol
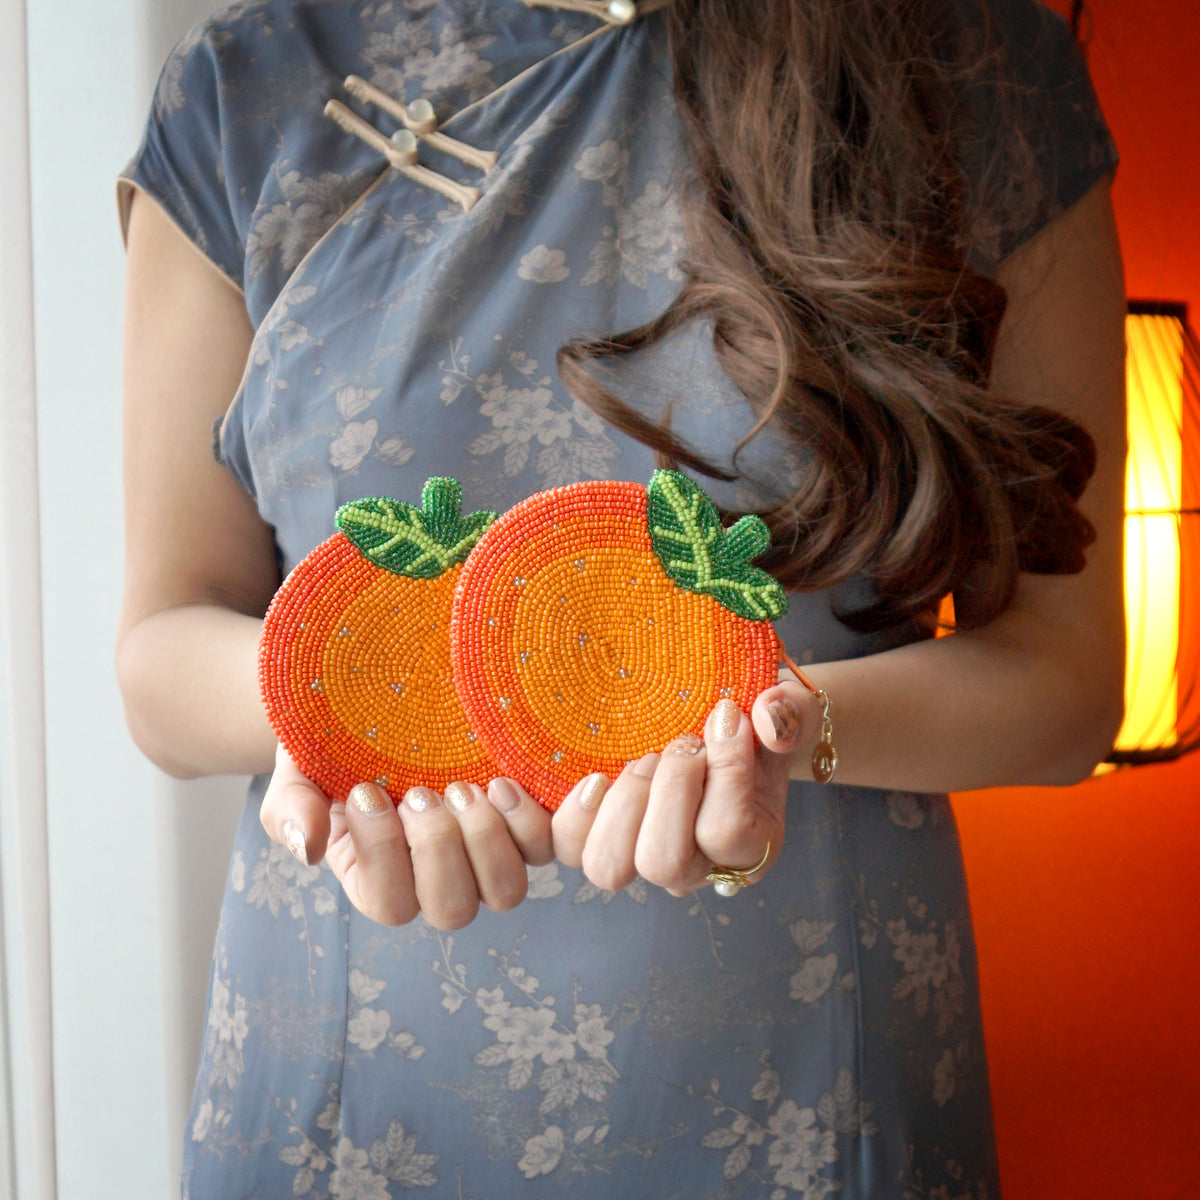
(1162, 537)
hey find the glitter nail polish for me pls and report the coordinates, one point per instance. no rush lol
(459, 796)
(592, 791)
(295, 841)
(726, 720)
(368, 798)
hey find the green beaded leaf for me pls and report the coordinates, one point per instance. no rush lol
(418, 542)
(700, 555)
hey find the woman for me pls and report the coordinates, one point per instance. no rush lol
(828, 191)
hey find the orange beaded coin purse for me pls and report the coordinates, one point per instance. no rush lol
(595, 622)
(354, 661)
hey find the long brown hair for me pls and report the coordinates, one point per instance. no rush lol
(828, 232)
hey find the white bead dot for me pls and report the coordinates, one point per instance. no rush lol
(404, 140)
(622, 11)
(420, 110)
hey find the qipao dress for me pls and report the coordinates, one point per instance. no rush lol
(819, 1033)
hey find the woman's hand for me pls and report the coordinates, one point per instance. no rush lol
(440, 856)
(671, 817)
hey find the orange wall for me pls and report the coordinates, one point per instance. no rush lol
(1087, 899)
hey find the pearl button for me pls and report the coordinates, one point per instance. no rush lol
(726, 887)
(405, 141)
(622, 11)
(421, 110)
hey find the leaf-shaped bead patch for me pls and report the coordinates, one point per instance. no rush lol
(418, 542)
(702, 556)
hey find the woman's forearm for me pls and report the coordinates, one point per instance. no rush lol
(198, 556)
(1020, 702)
(189, 678)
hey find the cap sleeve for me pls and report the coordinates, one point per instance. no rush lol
(1040, 139)
(181, 162)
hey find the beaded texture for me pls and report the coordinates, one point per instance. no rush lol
(354, 660)
(587, 629)
(589, 625)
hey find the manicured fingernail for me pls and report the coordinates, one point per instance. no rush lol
(785, 717)
(459, 796)
(368, 798)
(645, 766)
(592, 792)
(726, 720)
(503, 795)
(295, 841)
(420, 798)
(686, 743)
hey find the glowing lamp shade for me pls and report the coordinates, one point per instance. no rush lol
(1161, 543)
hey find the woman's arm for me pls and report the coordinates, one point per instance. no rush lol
(1036, 696)
(200, 571)
(200, 562)
(1033, 697)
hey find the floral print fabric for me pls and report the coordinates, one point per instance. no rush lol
(819, 1033)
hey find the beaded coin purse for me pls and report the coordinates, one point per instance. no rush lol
(354, 660)
(595, 622)
(587, 626)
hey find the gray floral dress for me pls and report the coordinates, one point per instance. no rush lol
(820, 1033)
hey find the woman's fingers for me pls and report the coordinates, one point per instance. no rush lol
(528, 822)
(573, 820)
(608, 856)
(666, 852)
(439, 857)
(295, 812)
(786, 716)
(495, 859)
(444, 880)
(365, 847)
(368, 852)
(745, 792)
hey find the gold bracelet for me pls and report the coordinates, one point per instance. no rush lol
(825, 755)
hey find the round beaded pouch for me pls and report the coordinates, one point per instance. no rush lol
(595, 622)
(354, 661)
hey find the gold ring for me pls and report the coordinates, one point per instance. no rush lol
(728, 881)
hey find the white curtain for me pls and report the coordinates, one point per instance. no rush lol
(111, 873)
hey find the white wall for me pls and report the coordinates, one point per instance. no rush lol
(29, 1122)
(132, 903)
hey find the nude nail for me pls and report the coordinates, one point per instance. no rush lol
(785, 717)
(645, 766)
(686, 743)
(368, 798)
(592, 792)
(726, 720)
(420, 798)
(459, 796)
(295, 841)
(503, 795)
